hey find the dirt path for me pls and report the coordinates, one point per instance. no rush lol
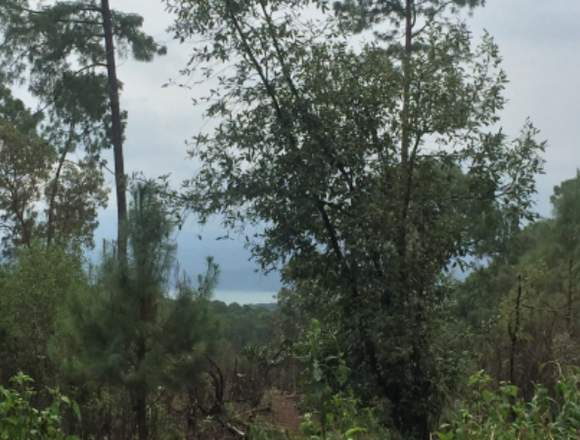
(284, 412)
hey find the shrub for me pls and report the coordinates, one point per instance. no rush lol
(332, 410)
(502, 414)
(20, 420)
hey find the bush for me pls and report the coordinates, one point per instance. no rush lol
(332, 410)
(502, 414)
(20, 420)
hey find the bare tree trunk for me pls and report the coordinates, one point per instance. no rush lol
(116, 132)
(405, 132)
(53, 193)
(55, 187)
(141, 413)
(570, 299)
(514, 330)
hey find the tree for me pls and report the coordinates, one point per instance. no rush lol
(566, 203)
(34, 288)
(128, 331)
(43, 196)
(64, 47)
(25, 164)
(523, 305)
(374, 166)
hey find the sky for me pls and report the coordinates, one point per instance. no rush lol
(540, 44)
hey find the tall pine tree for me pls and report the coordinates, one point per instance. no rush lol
(69, 50)
(131, 331)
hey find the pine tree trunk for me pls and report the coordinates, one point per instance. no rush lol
(141, 414)
(405, 129)
(570, 300)
(116, 132)
(514, 332)
(50, 227)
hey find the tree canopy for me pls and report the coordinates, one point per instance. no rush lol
(423, 297)
(374, 166)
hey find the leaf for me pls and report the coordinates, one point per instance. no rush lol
(353, 431)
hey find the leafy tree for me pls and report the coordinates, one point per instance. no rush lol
(373, 166)
(34, 287)
(33, 179)
(69, 51)
(25, 165)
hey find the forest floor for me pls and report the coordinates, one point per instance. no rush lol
(285, 412)
(282, 412)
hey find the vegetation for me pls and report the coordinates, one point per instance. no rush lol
(366, 163)
(68, 50)
(19, 420)
(502, 414)
(374, 165)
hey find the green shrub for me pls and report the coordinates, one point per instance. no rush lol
(20, 420)
(344, 419)
(502, 414)
(332, 411)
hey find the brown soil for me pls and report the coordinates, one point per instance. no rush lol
(284, 412)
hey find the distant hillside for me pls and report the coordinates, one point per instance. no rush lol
(268, 306)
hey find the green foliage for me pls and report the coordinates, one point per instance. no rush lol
(34, 288)
(20, 420)
(192, 331)
(566, 203)
(15, 113)
(43, 196)
(523, 305)
(25, 165)
(345, 418)
(244, 325)
(325, 370)
(260, 432)
(331, 409)
(359, 15)
(58, 51)
(61, 47)
(374, 167)
(502, 413)
(127, 330)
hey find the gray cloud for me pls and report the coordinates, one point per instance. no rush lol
(540, 43)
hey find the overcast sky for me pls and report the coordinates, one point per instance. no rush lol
(540, 43)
